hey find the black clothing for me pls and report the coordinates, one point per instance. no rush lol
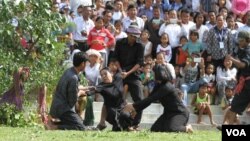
(113, 93)
(129, 56)
(65, 97)
(83, 46)
(244, 55)
(242, 99)
(175, 115)
(114, 103)
(154, 35)
(71, 121)
(64, 100)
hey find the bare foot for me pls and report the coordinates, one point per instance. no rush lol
(189, 128)
(213, 124)
(131, 129)
(202, 123)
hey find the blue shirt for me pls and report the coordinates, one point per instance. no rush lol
(193, 47)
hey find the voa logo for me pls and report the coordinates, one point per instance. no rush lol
(236, 132)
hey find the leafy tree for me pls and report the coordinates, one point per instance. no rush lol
(34, 21)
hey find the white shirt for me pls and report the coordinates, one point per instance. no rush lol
(127, 21)
(147, 48)
(196, 5)
(167, 50)
(174, 33)
(223, 75)
(203, 30)
(210, 77)
(117, 15)
(75, 3)
(171, 69)
(186, 28)
(121, 35)
(81, 25)
(92, 73)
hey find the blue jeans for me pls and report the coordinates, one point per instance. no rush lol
(191, 88)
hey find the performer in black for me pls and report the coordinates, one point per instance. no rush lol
(175, 116)
(111, 88)
(242, 62)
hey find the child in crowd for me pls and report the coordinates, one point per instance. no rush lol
(144, 17)
(147, 78)
(225, 75)
(181, 55)
(194, 45)
(160, 59)
(210, 77)
(201, 104)
(149, 60)
(165, 47)
(226, 102)
(97, 37)
(146, 43)
(119, 33)
(193, 73)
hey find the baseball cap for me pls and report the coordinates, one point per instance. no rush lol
(134, 30)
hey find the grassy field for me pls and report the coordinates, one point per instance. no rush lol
(38, 134)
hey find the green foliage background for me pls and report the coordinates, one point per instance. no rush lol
(38, 23)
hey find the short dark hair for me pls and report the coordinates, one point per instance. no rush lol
(112, 60)
(162, 73)
(79, 58)
(105, 68)
(194, 32)
(131, 6)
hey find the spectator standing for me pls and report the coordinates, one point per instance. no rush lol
(132, 18)
(220, 42)
(153, 25)
(83, 25)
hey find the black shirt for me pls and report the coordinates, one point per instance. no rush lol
(244, 56)
(113, 93)
(168, 97)
(128, 56)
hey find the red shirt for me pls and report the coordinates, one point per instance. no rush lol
(181, 56)
(101, 36)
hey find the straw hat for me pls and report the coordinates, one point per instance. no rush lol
(93, 52)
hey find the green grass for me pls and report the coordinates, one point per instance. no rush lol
(38, 134)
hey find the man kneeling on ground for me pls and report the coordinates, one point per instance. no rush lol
(66, 98)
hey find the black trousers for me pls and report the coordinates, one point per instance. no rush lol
(71, 121)
(119, 119)
(171, 123)
(241, 100)
(135, 89)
